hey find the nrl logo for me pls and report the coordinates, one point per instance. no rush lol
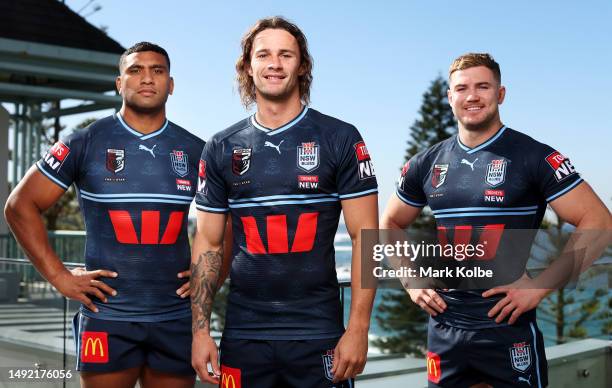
(438, 176)
(115, 160)
(241, 160)
(308, 156)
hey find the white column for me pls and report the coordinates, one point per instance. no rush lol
(4, 126)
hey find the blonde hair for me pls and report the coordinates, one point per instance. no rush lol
(468, 60)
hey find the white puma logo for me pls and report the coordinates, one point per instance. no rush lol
(526, 380)
(150, 150)
(465, 161)
(277, 147)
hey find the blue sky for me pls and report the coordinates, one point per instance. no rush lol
(374, 60)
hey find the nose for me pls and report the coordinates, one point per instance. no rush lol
(275, 63)
(473, 96)
(147, 77)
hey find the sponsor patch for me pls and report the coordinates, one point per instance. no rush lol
(180, 162)
(308, 156)
(308, 181)
(560, 165)
(520, 356)
(56, 155)
(494, 196)
(438, 176)
(115, 160)
(202, 177)
(365, 167)
(183, 184)
(230, 377)
(94, 347)
(241, 160)
(328, 362)
(434, 372)
(496, 172)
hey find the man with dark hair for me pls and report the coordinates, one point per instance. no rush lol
(488, 179)
(135, 175)
(284, 174)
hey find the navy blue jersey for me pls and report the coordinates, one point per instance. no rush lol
(504, 183)
(134, 191)
(283, 189)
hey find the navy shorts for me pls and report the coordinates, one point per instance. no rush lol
(107, 346)
(278, 363)
(504, 356)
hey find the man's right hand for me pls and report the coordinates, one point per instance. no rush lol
(428, 300)
(79, 284)
(204, 351)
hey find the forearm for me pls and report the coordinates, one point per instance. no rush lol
(205, 272)
(362, 299)
(26, 223)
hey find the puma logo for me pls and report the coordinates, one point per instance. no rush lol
(149, 150)
(465, 161)
(277, 147)
(525, 380)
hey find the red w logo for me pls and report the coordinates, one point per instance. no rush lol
(489, 238)
(276, 228)
(149, 221)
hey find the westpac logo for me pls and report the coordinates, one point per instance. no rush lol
(94, 347)
(230, 377)
(276, 229)
(125, 232)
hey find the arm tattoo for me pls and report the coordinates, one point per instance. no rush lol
(204, 277)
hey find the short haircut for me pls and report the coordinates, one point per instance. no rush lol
(468, 60)
(246, 87)
(143, 46)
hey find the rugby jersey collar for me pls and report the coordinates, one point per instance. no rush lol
(491, 140)
(283, 128)
(141, 136)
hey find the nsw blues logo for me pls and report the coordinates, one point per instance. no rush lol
(496, 172)
(308, 156)
(179, 163)
(520, 356)
(328, 362)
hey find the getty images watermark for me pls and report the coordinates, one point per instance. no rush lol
(472, 257)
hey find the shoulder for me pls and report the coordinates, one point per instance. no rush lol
(228, 132)
(329, 122)
(429, 154)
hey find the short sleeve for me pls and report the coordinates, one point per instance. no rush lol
(60, 162)
(409, 185)
(211, 195)
(555, 174)
(355, 176)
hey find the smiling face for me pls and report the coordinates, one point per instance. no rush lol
(275, 65)
(145, 82)
(475, 95)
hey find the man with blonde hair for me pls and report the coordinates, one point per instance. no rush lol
(486, 180)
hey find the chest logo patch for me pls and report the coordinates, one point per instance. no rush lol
(241, 160)
(438, 176)
(180, 163)
(115, 160)
(308, 156)
(496, 172)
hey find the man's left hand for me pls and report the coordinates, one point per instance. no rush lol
(184, 291)
(350, 355)
(521, 296)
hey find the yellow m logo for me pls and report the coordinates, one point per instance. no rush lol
(227, 381)
(96, 347)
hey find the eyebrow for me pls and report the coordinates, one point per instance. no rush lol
(281, 51)
(155, 66)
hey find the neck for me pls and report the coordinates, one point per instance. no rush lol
(143, 122)
(275, 114)
(473, 137)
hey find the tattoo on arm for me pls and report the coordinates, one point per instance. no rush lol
(204, 277)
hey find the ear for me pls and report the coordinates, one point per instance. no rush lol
(171, 88)
(449, 95)
(501, 94)
(118, 84)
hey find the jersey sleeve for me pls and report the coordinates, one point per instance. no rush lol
(211, 195)
(409, 185)
(555, 174)
(355, 176)
(61, 162)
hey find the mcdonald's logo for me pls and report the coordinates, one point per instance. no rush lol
(230, 377)
(94, 347)
(434, 372)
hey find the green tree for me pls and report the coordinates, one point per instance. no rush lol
(405, 322)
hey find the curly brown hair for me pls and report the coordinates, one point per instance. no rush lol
(246, 87)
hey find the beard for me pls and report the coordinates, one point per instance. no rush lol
(482, 125)
(279, 96)
(146, 109)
